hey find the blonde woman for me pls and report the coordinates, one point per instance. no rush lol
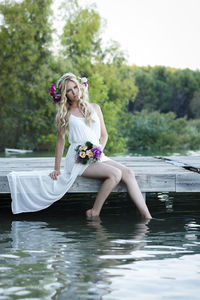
(82, 122)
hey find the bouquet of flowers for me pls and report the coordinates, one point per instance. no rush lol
(87, 152)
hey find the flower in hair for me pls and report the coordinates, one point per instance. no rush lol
(84, 81)
(84, 84)
(55, 93)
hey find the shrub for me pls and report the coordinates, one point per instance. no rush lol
(157, 130)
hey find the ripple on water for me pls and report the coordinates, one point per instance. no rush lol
(157, 279)
(113, 258)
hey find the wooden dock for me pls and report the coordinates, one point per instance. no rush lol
(154, 174)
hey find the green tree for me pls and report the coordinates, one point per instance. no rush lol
(112, 86)
(146, 97)
(154, 130)
(154, 92)
(184, 83)
(80, 38)
(194, 105)
(25, 36)
(98, 92)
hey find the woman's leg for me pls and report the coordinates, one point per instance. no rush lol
(112, 177)
(133, 189)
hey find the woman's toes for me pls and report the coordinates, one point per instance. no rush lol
(90, 213)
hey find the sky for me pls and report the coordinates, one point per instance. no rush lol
(153, 32)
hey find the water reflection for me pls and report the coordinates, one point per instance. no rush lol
(43, 260)
(33, 245)
(113, 247)
(104, 258)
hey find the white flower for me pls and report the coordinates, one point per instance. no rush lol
(82, 154)
(83, 147)
(84, 80)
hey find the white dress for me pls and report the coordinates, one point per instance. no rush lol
(35, 190)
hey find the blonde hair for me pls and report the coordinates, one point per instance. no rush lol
(62, 117)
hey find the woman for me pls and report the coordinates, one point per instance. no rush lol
(83, 121)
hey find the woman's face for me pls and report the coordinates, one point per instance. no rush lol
(72, 91)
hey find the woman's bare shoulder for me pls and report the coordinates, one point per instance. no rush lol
(96, 107)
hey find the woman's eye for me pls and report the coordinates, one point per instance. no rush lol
(68, 91)
(75, 87)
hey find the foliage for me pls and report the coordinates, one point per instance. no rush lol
(25, 37)
(194, 105)
(184, 84)
(165, 89)
(80, 38)
(112, 90)
(162, 131)
(143, 107)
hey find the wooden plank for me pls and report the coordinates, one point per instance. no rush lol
(188, 182)
(152, 174)
(147, 183)
(157, 182)
(193, 161)
(136, 170)
(4, 186)
(40, 163)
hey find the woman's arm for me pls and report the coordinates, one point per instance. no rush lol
(104, 134)
(58, 156)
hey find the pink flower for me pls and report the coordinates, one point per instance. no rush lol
(55, 93)
(84, 81)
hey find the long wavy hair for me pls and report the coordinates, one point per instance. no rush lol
(62, 117)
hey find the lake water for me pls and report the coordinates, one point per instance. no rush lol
(59, 254)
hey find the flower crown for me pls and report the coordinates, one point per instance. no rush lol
(56, 93)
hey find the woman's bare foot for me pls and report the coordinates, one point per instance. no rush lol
(90, 213)
(146, 215)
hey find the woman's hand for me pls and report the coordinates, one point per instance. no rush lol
(54, 175)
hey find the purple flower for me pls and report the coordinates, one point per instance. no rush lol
(55, 93)
(96, 152)
(57, 98)
(84, 81)
(53, 90)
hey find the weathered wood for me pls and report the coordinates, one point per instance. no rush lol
(147, 183)
(188, 182)
(184, 161)
(152, 174)
(193, 161)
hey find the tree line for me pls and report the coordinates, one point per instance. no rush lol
(143, 107)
